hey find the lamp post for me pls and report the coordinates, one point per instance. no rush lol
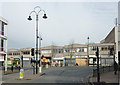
(88, 50)
(37, 13)
(40, 40)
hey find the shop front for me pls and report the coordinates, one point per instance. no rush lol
(58, 61)
(69, 61)
(45, 60)
(12, 61)
(81, 61)
(93, 60)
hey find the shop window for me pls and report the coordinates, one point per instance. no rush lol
(61, 50)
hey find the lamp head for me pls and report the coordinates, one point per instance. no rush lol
(29, 18)
(88, 38)
(45, 17)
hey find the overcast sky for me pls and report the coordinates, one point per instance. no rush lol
(66, 22)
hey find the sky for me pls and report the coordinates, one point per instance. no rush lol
(67, 22)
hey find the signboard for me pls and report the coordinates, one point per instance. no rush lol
(16, 59)
(81, 56)
(58, 58)
(69, 56)
(9, 62)
(11, 58)
(91, 61)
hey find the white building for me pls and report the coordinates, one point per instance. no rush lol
(3, 39)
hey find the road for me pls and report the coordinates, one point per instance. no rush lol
(54, 75)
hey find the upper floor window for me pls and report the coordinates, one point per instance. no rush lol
(80, 50)
(26, 52)
(104, 48)
(67, 50)
(93, 48)
(2, 28)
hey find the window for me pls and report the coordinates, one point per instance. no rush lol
(2, 44)
(3, 26)
(93, 48)
(26, 52)
(55, 51)
(2, 30)
(81, 50)
(59, 51)
(67, 50)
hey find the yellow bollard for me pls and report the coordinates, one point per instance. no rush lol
(46, 65)
(21, 73)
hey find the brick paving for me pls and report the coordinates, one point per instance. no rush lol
(108, 77)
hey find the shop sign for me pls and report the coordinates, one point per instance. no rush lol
(16, 59)
(69, 56)
(11, 58)
(9, 62)
(91, 61)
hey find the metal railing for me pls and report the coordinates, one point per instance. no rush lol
(103, 69)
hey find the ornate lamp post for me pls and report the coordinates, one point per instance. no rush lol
(45, 17)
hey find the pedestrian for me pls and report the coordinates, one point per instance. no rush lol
(76, 64)
(12, 68)
(19, 68)
(115, 68)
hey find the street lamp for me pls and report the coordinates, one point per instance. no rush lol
(40, 39)
(29, 18)
(88, 50)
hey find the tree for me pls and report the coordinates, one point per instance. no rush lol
(52, 52)
(71, 52)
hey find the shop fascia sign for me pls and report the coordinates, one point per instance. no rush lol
(69, 56)
(56, 58)
(81, 56)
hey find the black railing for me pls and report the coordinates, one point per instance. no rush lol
(103, 69)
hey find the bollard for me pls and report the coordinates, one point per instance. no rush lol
(46, 65)
(21, 73)
(33, 70)
(40, 69)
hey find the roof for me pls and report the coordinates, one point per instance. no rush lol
(52, 47)
(110, 38)
(4, 20)
(75, 45)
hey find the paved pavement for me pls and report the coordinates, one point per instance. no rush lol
(0, 75)
(107, 77)
(53, 75)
